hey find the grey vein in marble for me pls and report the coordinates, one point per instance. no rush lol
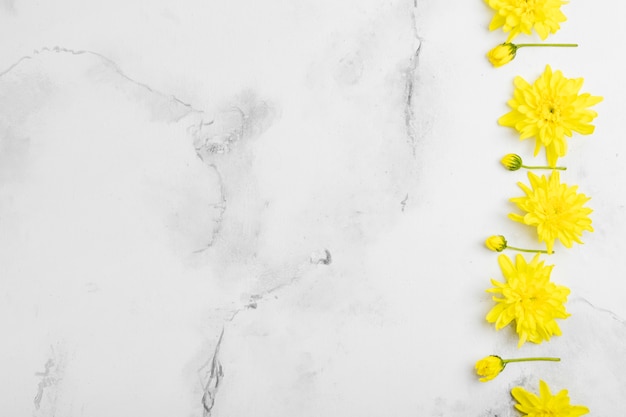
(411, 75)
(50, 377)
(216, 374)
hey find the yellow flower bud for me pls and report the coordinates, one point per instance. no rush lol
(490, 367)
(512, 162)
(502, 54)
(496, 243)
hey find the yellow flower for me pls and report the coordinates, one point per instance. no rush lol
(490, 367)
(546, 404)
(502, 54)
(496, 243)
(522, 16)
(549, 110)
(556, 210)
(529, 298)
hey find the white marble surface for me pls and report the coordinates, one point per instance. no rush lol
(235, 208)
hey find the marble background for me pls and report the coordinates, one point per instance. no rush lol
(232, 208)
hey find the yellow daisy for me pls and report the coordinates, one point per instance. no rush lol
(529, 298)
(549, 110)
(556, 210)
(522, 16)
(546, 404)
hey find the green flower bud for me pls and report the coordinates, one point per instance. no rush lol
(502, 54)
(512, 162)
(496, 243)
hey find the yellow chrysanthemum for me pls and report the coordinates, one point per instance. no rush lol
(549, 110)
(546, 404)
(522, 16)
(529, 298)
(556, 210)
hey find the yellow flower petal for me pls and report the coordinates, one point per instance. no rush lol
(526, 400)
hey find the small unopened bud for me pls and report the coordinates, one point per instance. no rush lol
(490, 367)
(502, 54)
(512, 162)
(496, 243)
(505, 52)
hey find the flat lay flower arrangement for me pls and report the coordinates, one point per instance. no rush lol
(548, 110)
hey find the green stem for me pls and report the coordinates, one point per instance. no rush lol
(527, 250)
(531, 359)
(542, 167)
(566, 45)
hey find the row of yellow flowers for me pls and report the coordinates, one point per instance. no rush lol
(549, 111)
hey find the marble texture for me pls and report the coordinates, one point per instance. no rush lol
(236, 208)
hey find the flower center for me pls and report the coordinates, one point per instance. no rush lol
(527, 295)
(554, 206)
(527, 8)
(550, 110)
(554, 211)
(528, 301)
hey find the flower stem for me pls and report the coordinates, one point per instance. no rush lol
(527, 250)
(566, 45)
(531, 359)
(543, 167)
